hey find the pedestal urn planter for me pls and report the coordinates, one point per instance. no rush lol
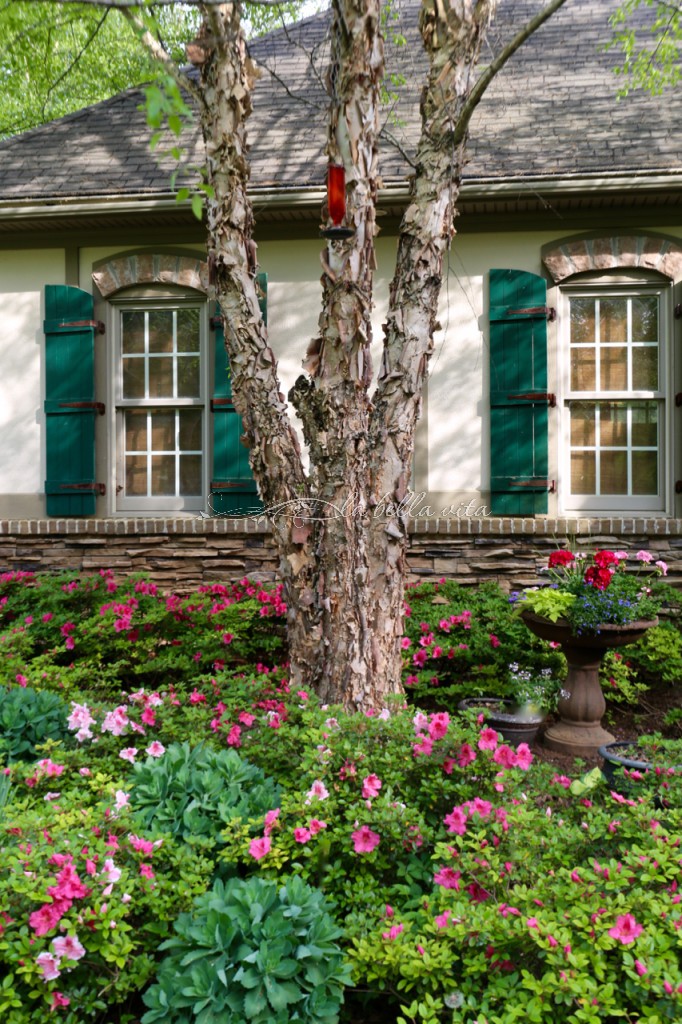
(581, 706)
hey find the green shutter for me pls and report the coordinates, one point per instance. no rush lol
(233, 488)
(70, 407)
(519, 401)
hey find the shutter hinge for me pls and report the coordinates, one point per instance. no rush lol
(537, 396)
(223, 485)
(95, 406)
(537, 483)
(215, 322)
(678, 399)
(549, 312)
(221, 401)
(678, 487)
(55, 326)
(96, 488)
(678, 311)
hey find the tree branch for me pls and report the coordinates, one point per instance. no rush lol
(476, 94)
(73, 63)
(157, 51)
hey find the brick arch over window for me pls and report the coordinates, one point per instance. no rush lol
(606, 252)
(131, 269)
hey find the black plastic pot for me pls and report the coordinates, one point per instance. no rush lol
(618, 756)
(516, 723)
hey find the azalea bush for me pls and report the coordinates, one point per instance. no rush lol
(181, 838)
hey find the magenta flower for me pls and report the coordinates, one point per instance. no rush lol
(467, 755)
(58, 999)
(488, 739)
(424, 745)
(371, 785)
(393, 932)
(47, 917)
(315, 826)
(504, 756)
(640, 968)
(270, 819)
(438, 726)
(155, 749)
(448, 878)
(259, 848)
(457, 821)
(302, 835)
(626, 929)
(364, 840)
(524, 757)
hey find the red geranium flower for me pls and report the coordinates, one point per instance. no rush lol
(560, 558)
(599, 578)
(605, 558)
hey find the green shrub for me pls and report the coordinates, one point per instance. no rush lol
(196, 791)
(27, 719)
(658, 655)
(251, 952)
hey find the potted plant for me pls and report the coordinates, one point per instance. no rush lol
(628, 762)
(519, 717)
(593, 603)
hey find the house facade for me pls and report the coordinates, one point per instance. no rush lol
(554, 404)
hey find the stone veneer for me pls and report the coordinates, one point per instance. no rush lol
(180, 553)
(576, 255)
(150, 268)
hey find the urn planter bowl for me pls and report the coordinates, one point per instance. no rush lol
(581, 707)
(517, 723)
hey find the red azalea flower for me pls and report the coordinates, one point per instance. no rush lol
(560, 558)
(599, 578)
(603, 559)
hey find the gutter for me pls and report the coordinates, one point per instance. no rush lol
(264, 197)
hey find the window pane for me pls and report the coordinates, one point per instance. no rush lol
(613, 425)
(188, 330)
(613, 319)
(644, 473)
(161, 330)
(645, 318)
(135, 430)
(614, 472)
(136, 474)
(645, 368)
(133, 332)
(582, 321)
(583, 372)
(645, 424)
(614, 368)
(190, 474)
(163, 430)
(133, 377)
(583, 473)
(188, 377)
(583, 415)
(190, 430)
(163, 474)
(161, 377)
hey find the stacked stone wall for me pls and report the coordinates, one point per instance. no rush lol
(178, 554)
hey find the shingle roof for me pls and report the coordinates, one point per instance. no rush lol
(552, 112)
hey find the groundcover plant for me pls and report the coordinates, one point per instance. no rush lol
(186, 837)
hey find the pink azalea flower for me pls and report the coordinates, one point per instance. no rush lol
(318, 791)
(270, 819)
(69, 885)
(234, 736)
(259, 848)
(315, 825)
(371, 785)
(640, 968)
(59, 1000)
(145, 846)
(524, 756)
(448, 878)
(488, 739)
(424, 745)
(46, 918)
(155, 749)
(129, 754)
(246, 719)
(49, 965)
(504, 756)
(122, 799)
(302, 835)
(466, 755)
(561, 780)
(364, 840)
(456, 821)
(115, 721)
(438, 726)
(626, 928)
(441, 920)
(420, 722)
(68, 947)
(148, 716)
(109, 870)
(405, 643)
(393, 932)
(146, 871)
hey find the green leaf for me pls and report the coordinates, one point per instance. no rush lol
(197, 206)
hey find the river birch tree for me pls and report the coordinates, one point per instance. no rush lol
(342, 559)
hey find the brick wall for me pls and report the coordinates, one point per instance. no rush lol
(180, 553)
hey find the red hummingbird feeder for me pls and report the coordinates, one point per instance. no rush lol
(336, 202)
